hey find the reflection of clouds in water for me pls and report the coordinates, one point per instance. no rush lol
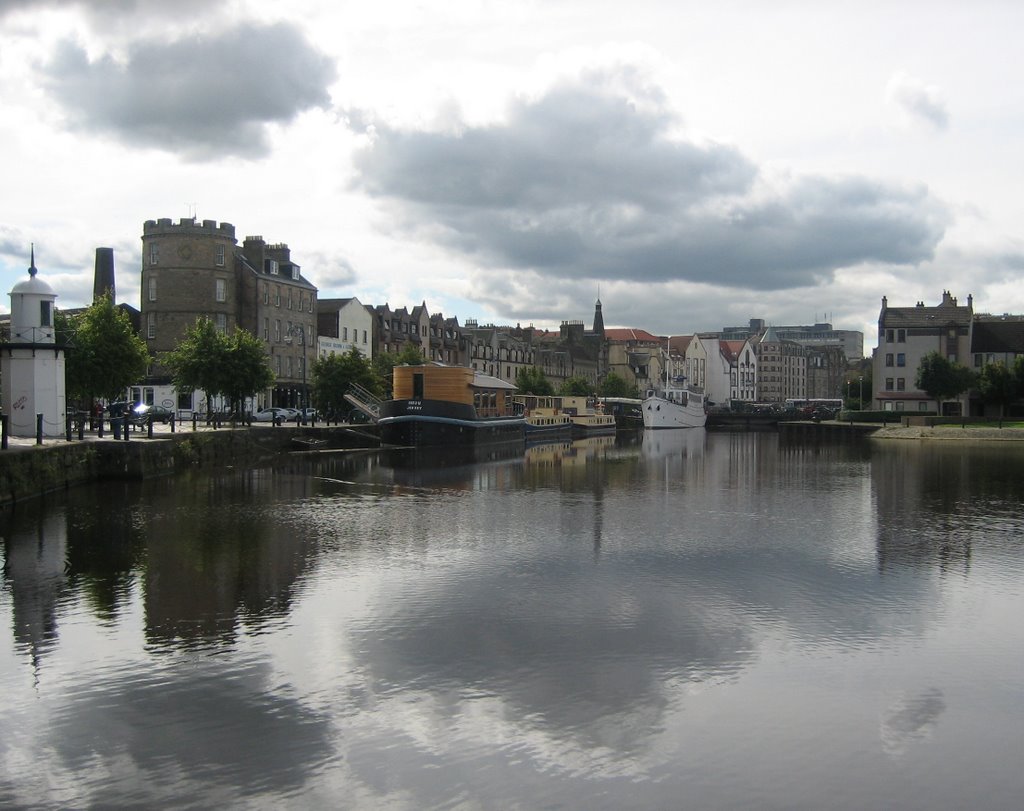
(164, 734)
(910, 719)
(568, 673)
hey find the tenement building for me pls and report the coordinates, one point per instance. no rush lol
(905, 336)
(193, 269)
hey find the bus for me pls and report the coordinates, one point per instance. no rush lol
(809, 405)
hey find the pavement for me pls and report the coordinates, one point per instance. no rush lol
(136, 434)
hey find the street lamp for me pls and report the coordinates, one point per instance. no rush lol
(300, 331)
(861, 379)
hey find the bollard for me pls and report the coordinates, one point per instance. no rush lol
(99, 427)
(193, 420)
(3, 432)
(39, 429)
(67, 428)
(126, 428)
(115, 426)
(172, 423)
(149, 426)
(81, 430)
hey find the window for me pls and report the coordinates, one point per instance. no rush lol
(901, 336)
(289, 298)
(266, 329)
(152, 288)
(222, 323)
(277, 330)
(888, 384)
(888, 359)
(295, 271)
(272, 266)
(151, 325)
(154, 253)
(277, 366)
(221, 290)
(220, 256)
(344, 333)
(901, 359)
(922, 406)
(266, 294)
(288, 368)
(364, 336)
(277, 297)
(46, 313)
(901, 384)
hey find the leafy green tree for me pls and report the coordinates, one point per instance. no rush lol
(533, 381)
(385, 362)
(246, 368)
(334, 375)
(997, 385)
(941, 378)
(198, 362)
(576, 387)
(614, 385)
(104, 356)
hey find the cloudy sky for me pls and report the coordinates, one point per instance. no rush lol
(694, 164)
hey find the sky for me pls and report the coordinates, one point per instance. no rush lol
(692, 164)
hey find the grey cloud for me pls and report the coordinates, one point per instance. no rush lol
(920, 101)
(583, 183)
(205, 97)
(331, 272)
(113, 9)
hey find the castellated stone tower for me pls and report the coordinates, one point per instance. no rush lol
(188, 272)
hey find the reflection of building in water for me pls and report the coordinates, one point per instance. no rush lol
(34, 570)
(923, 497)
(219, 563)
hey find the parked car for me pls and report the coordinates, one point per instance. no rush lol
(275, 414)
(142, 413)
(309, 414)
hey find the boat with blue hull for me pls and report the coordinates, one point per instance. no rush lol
(438, 405)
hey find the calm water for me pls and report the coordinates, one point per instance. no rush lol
(696, 621)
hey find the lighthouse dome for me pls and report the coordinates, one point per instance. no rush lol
(33, 286)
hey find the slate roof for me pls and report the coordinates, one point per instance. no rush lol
(997, 335)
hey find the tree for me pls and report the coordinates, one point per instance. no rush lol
(335, 374)
(533, 381)
(197, 362)
(246, 368)
(941, 378)
(105, 356)
(997, 385)
(615, 385)
(385, 362)
(576, 387)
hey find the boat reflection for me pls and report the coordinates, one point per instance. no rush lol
(670, 442)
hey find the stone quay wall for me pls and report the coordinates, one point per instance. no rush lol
(30, 471)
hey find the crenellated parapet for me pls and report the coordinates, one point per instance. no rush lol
(187, 226)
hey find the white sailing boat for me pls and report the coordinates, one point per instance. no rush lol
(674, 405)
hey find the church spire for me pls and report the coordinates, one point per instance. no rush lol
(32, 262)
(598, 317)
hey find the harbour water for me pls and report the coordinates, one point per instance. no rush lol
(676, 620)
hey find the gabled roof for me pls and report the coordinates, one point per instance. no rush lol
(629, 334)
(730, 350)
(680, 343)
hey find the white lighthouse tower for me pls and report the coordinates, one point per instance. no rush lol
(32, 364)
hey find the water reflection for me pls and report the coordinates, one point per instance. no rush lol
(603, 624)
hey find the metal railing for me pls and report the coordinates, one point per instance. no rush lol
(366, 401)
